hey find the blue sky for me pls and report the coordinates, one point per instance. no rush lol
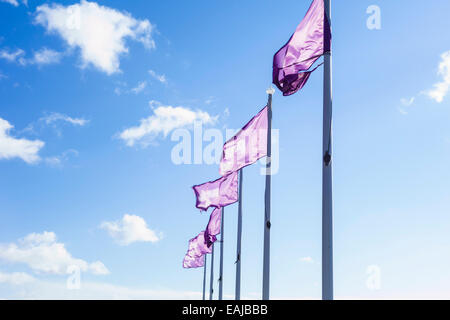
(85, 147)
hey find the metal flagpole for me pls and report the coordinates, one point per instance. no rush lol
(327, 185)
(238, 246)
(211, 278)
(221, 255)
(266, 258)
(204, 278)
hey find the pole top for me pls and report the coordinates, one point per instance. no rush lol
(270, 90)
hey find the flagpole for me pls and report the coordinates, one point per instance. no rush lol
(239, 238)
(221, 255)
(204, 278)
(266, 257)
(211, 278)
(327, 186)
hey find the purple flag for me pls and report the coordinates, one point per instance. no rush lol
(213, 227)
(310, 41)
(193, 262)
(247, 146)
(218, 193)
(198, 246)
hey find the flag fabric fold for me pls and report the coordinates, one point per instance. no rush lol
(197, 249)
(202, 243)
(198, 246)
(193, 262)
(217, 193)
(311, 39)
(213, 227)
(247, 146)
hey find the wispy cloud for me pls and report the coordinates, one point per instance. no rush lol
(405, 104)
(307, 259)
(11, 147)
(44, 56)
(98, 31)
(57, 289)
(11, 56)
(15, 278)
(43, 254)
(160, 77)
(57, 117)
(54, 120)
(440, 89)
(154, 104)
(164, 120)
(210, 100)
(140, 86)
(57, 161)
(122, 88)
(15, 3)
(131, 228)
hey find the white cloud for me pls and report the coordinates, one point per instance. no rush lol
(43, 254)
(44, 290)
(141, 86)
(407, 102)
(164, 120)
(13, 2)
(210, 100)
(117, 91)
(160, 78)
(57, 161)
(45, 56)
(54, 161)
(15, 278)
(11, 147)
(11, 56)
(307, 259)
(41, 57)
(97, 267)
(98, 31)
(54, 117)
(441, 89)
(55, 121)
(122, 88)
(154, 103)
(130, 229)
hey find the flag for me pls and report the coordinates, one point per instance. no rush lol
(198, 246)
(247, 146)
(218, 193)
(213, 227)
(193, 262)
(311, 39)
(202, 244)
